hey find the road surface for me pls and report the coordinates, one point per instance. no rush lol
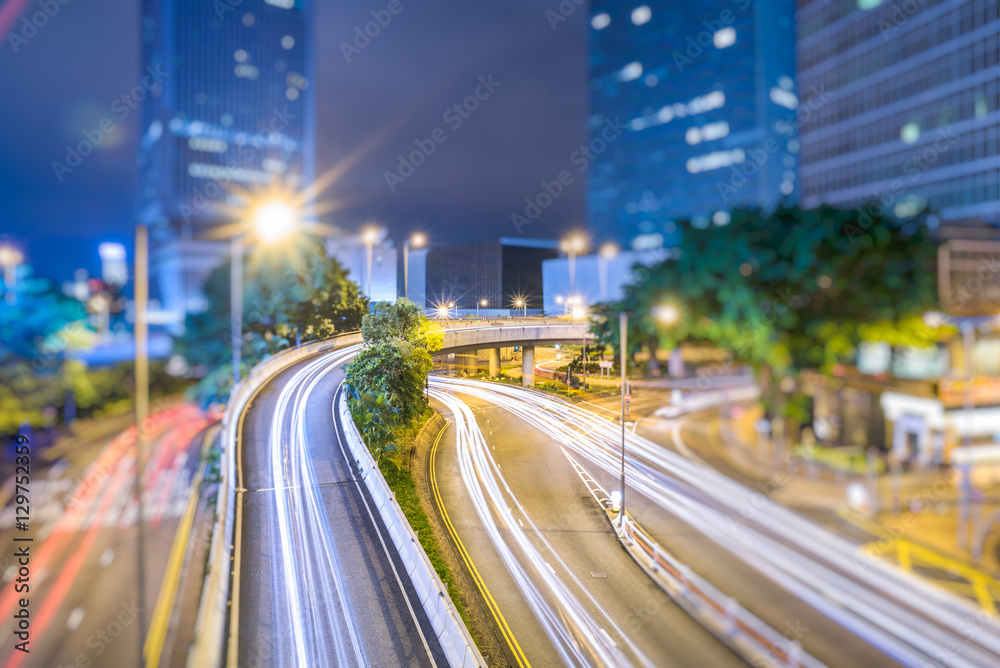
(318, 581)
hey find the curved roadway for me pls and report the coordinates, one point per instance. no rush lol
(318, 580)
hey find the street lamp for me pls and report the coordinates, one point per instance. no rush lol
(573, 245)
(521, 304)
(274, 220)
(481, 302)
(417, 241)
(370, 237)
(609, 251)
(666, 314)
(580, 313)
(10, 257)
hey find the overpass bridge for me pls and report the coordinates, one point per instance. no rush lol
(466, 339)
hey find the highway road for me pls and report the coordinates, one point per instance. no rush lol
(790, 571)
(318, 582)
(84, 607)
(560, 587)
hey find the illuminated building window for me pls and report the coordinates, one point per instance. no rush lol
(641, 15)
(600, 22)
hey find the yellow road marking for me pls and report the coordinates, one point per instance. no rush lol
(153, 649)
(515, 648)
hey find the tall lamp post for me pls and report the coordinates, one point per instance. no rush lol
(608, 252)
(580, 313)
(481, 302)
(573, 245)
(522, 304)
(417, 241)
(370, 237)
(270, 222)
(668, 314)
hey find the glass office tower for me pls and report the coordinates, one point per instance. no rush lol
(693, 113)
(913, 116)
(233, 114)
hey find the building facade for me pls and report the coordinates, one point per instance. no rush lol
(491, 275)
(352, 254)
(912, 113)
(232, 115)
(693, 113)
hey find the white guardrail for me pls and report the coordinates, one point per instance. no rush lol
(746, 634)
(207, 649)
(456, 642)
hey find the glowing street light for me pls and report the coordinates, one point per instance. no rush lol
(416, 241)
(274, 220)
(666, 314)
(522, 304)
(483, 303)
(10, 257)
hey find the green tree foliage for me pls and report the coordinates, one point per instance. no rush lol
(286, 292)
(796, 289)
(396, 368)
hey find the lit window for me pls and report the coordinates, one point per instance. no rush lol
(248, 19)
(651, 80)
(909, 133)
(600, 22)
(226, 120)
(715, 160)
(869, 4)
(287, 42)
(292, 93)
(721, 218)
(631, 72)
(723, 38)
(241, 56)
(207, 144)
(247, 71)
(785, 98)
(284, 4)
(786, 82)
(637, 123)
(787, 187)
(641, 15)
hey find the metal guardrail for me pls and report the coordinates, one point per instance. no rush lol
(458, 645)
(744, 632)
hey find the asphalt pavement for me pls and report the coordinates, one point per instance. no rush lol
(318, 583)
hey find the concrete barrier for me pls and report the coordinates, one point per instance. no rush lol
(450, 630)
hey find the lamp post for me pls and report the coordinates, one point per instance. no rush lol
(271, 222)
(370, 237)
(10, 257)
(522, 304)
(481, 302)
(609, 251)
(573, 245)
(417, 241)
(580, 313)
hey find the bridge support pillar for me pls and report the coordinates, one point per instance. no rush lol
(528, 366)
(494, 362)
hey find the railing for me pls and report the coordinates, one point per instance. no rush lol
(459, 647)
(745, 633)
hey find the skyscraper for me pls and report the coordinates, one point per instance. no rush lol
(234, 114)
(912, 117)
(703, 99)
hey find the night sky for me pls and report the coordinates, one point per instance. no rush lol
(64, 80)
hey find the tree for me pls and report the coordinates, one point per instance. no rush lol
(396, 368)
(286, 294)
(791, 290)
(391, 320)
